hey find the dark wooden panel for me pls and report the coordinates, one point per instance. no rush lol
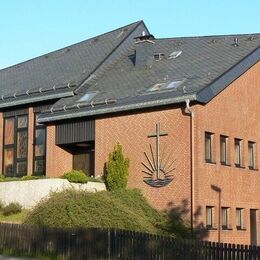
(75, 132)
(17, 112)
(42, 108)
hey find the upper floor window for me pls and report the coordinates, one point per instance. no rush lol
(252, 155)
(15, 145)
(208, 147)
(238, 152)
(224, 149)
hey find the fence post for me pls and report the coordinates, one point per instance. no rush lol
(108, 244)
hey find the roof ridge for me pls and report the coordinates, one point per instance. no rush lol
(208, 36)
(69, 46)
(108, 56)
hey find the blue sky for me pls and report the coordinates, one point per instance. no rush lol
(30, 28)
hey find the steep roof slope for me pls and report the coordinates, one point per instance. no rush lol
(61, 69)
(175, 69)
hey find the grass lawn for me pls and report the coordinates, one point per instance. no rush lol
(15, 218)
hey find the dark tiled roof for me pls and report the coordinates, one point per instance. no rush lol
(121, 72)
(67, 66)
(202, 62)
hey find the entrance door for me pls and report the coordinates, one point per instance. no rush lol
(84, 158)
(253, 226)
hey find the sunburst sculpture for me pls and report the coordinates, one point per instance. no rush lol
(157, 168)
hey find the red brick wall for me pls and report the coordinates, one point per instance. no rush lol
(1, 142)
(58, 161)
(131, 131)
(235, 113)
(30, 141)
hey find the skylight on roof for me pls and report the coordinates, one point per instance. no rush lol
(87, 97)
(157, 86)
(175, 54)
(172, 85)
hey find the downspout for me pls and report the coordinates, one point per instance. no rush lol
(192, 199)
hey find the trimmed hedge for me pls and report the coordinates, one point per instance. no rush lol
(76, 176)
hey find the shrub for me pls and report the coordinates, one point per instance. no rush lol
(12, 208)
(1, 205)
(117, 169)
(123, 209)
(76, 176)
(31, 177)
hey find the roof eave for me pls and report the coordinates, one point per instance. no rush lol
(30, 100)
(47, 118)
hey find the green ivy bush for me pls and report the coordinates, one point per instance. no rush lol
(12, 208)
(116, 174)
(76, 176)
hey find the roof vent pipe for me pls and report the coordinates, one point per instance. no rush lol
(235, 42)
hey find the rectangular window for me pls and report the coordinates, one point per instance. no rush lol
(39, 148)
(210, 213)
(223, 149)
(238, 152)
(208, 147)
(252, 155)
(225, 212)
(15, 145)
(240, 218)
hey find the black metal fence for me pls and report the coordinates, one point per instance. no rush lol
(112, 244)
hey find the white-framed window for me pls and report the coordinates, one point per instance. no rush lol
(251, 155)
(224, 149)
(210, 217)
(225, 217)
(238, 152)
(209, 147)
(240, 218)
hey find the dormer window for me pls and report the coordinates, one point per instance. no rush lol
(158, 56)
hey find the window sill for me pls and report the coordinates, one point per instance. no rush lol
(241, 229)
(212, 228)
(239, 166)
(227, 228)
(210, 162)
(225, 164)
(252, 168)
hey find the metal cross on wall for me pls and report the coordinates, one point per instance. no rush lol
(157, 168)
(158, 134)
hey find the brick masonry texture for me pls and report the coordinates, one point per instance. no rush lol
(235, 113)
(131, 131)
(58, 161)
(30, 141)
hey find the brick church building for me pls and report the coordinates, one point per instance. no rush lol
(186, 111)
